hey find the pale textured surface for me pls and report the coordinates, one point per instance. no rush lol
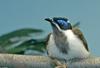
(88, 63)
(21, 61)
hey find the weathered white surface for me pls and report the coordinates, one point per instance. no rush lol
(87, 63)
(24, 61)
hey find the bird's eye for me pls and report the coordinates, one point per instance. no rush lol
(62, 22)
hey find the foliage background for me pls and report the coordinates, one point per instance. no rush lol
(20, 14)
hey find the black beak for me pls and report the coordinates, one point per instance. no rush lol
(54, 25)
(51, 22)
(48, 19)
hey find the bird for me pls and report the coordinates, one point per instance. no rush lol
(66, 43)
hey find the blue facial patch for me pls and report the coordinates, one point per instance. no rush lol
(63, 23)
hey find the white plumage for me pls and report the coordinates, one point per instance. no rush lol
(76, 47)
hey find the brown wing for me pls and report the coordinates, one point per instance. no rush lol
(47, 38)
(80, 35)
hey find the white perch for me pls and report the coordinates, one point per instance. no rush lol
(24, 61)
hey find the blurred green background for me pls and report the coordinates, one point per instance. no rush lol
(23, 29)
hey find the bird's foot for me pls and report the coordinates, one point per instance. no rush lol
(58, 64)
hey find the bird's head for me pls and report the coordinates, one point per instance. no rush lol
(59, 23)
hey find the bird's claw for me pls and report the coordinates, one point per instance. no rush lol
(59, 64)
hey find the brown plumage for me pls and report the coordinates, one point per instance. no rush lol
(79, 34)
